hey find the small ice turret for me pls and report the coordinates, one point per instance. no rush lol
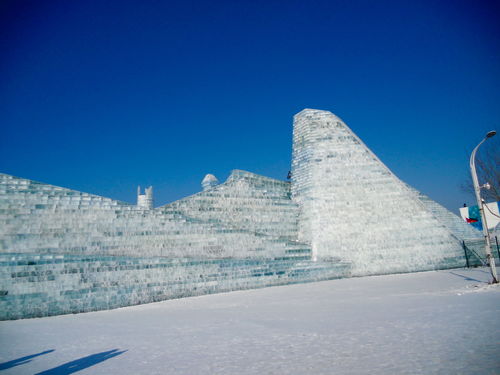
(145, 200)
(209, 182)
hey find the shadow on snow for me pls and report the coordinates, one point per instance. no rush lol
(468, 278)
(82, 363)
(22, 360)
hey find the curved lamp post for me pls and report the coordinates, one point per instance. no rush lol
(477, 190)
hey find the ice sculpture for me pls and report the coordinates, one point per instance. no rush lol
(209, 181)
(343, 213)
(248, 216)
(65, 251)
(145, 200)
(353, 207)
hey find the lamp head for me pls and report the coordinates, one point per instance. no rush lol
(491, 134)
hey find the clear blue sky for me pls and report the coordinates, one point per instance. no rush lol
(101, 96)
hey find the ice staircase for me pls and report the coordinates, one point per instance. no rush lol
(457, 226)
(37, 285)
(40, 218)
(64, 251)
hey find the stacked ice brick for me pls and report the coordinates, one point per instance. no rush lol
(248, 216)
(34, 285)
(247, 203)
(455, 224)
(66, 251)
(354, 207)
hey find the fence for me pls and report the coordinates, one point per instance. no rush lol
(475, 254)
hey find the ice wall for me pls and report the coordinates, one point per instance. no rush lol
(248, 216)
(455, 224)
(248, 201)
(64, 251)
(353, 207)
(36, 285)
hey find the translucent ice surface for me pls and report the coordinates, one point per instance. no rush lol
(248, 216)
(353, 207)
(344, 213)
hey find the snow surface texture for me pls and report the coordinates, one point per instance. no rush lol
(355, 208)
(438, 322)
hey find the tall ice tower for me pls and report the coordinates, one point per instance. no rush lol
(145, 200)
(354, 208)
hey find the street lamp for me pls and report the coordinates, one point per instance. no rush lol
(477, 190)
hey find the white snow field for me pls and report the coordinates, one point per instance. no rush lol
(440, 322)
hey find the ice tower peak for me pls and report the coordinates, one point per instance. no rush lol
(145, 200)
(209, 181)
(354, 207)
(312, 111)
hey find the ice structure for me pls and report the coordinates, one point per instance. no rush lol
(64, 251)
(353, 207)
(248, 216)
(145, 200)
(209, 181)
(344, 213)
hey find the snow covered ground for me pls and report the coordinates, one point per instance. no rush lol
(444, 322)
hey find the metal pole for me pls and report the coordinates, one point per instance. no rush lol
(498, 251)
(466, 257)
(489, 258)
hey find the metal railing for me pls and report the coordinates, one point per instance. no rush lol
(474, 252)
